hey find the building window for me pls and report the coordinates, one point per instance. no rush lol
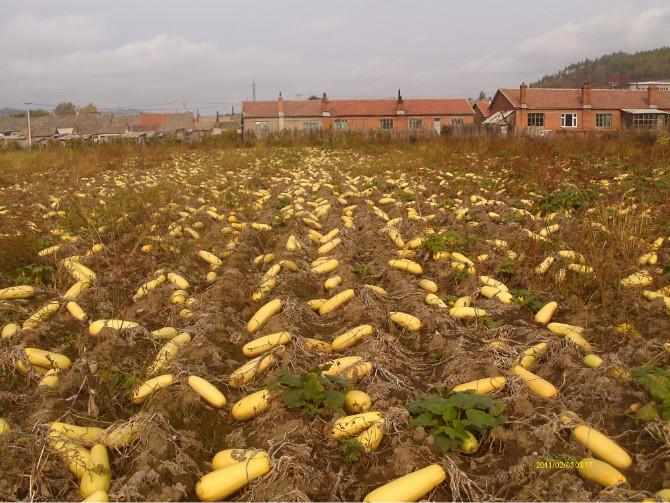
(536, 119)
(456, 121)
(568, 120)
(415, 123)
(604, 120)
(386, 123)
(644, 121)
(341, 125)
(311, 126)
(262, 126)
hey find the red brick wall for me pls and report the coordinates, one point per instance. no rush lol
(400, 122)
(586, 119)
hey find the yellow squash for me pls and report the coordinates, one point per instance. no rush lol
(150, 386)
(602, 447)
(251, 405)
(336, 301)
(600, 472)
(484, 385)
(266, 343)
(407, 321)
(351, 337)
(220, 484)
(252, 369)
(262, 316)
(207, 391)
(540, 387)
(229, 457)
(411, 487)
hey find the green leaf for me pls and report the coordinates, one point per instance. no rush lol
(425, 419)
(666, 410)
(648, 412)
(470, 400)
(655, 380)
(460, 428)
(431, 403)
(333, 399)
(290, 380)
(444, 443)
(459, 433)
(450, 413)
(292, 398)
(437, 407)
(312, 388)
(480, 419)
(496, 408)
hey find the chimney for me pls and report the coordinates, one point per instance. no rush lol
(217, 118)
(325, 106)
(652, 97)
(586, 95)
(400, 105)
(522, 95)
(280, 105)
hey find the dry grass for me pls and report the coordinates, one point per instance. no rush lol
(122, 196)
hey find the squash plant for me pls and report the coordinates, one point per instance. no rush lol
(311, 392)
(656, 381)
(455, 421)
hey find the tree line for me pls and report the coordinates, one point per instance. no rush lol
(63, 108)
(612, 70)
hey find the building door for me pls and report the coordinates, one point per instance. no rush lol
(436, 125)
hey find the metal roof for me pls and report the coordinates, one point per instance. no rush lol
(498, 117)
(644, 111)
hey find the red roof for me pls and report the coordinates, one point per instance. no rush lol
(352, 108)
(150, 122)
(348, 108)
(611, 99)
(305, 108)
(438, 107)
(483, 106)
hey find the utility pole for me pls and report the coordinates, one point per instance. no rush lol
(253, 90)
(30, 133)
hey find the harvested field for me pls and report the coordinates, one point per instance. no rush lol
(501, 229)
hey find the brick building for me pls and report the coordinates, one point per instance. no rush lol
(582, 110)
(420, 116)
(481, 109)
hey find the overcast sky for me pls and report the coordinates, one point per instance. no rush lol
(160, 54)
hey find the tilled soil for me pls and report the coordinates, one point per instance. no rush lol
(183, 433)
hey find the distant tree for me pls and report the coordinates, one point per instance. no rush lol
(39, 112)
(65, 108)
(482, 95)
(89, 109)
(615, 68)
(313, 97)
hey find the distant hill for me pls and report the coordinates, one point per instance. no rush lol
(617, 68)
(10, 111)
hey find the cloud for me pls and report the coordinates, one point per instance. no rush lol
(322, 24)
(81, 58)
(143, 56)
(147, 70)
(568, 43)
(601, 34)
(28, 35)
